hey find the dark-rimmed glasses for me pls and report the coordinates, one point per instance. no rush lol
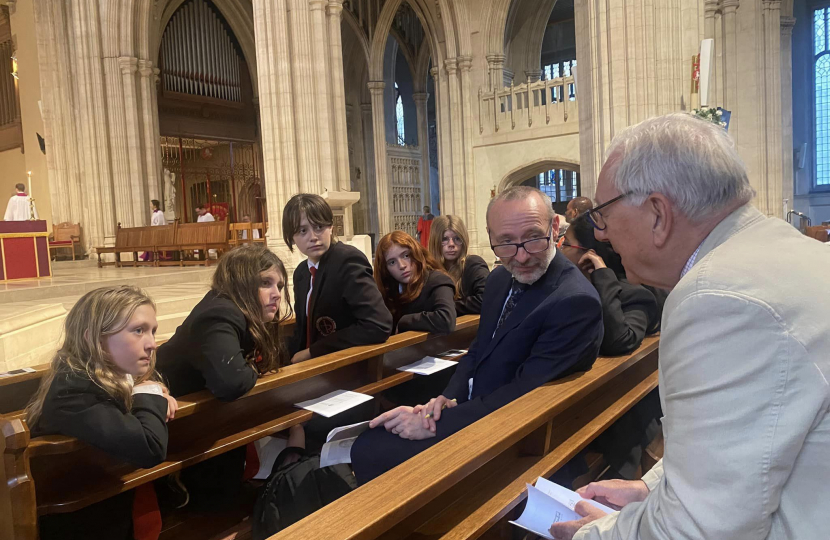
(594, 216)
(536, 245)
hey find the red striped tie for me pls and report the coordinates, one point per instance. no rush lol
(308, 309)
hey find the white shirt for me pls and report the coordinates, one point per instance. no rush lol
(206, 217)
(316, 266)
(256, 235)
(18, 208)
(154, 388)
(158, 218)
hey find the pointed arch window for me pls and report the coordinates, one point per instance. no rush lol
(399, 120)
(821, 72)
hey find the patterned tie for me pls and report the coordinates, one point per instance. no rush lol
(516, 292)
(308, 307)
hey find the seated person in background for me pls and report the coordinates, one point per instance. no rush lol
(232, 335)
(522, 340)
(102, 388)
(448, 243)
(629, 312)
(414, 288)
(255, 236)
(336, 302)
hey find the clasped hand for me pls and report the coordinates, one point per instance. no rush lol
(414, 423)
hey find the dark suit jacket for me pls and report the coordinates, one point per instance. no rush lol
(629, 312)
(434, 309)
(209, 350)
(554, 330)
(77, 407)
(346, 306)
(472, 286)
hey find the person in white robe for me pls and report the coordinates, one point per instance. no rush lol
(247, 219)
(204, 216)
(156, 218)
(18, 207)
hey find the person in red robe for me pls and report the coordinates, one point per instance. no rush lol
(424, 226)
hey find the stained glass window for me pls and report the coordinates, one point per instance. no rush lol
(560, 185)
(821, 17)
(399, 117)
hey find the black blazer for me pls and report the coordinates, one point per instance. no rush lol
(209, 350)
(535, 345)
(472, 286)
(346, 306)
(434, 309)
(77, 407)
(629, 313)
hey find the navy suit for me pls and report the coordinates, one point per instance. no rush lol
(554, 330)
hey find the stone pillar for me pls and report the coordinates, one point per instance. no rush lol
(150, 118)
(322, 106)
(465, 63)
(119, 143)
(139, 199)
(730, 60)
(787, 167)
(442, 105)
(459, 202)
(371, 193)
(381, 179)
(773, 194)
(495, 62)
(334, 11)
(420, 99)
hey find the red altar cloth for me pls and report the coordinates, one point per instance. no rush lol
(24, 250)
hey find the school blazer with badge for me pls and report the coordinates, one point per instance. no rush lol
(346, 307)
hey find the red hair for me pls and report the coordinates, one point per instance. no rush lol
(422, 263)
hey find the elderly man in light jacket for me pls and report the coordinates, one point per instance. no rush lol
(744, 348)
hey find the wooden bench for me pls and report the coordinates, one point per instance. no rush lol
(199, 237)
(137, 239)
(467, 486)
(55, 474)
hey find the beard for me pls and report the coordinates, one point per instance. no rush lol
(533, 269)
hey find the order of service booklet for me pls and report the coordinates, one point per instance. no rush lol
(549, 503)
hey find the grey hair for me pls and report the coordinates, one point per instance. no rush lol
(691, 161)
(516, 193)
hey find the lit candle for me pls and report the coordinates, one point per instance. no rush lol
(30, 183)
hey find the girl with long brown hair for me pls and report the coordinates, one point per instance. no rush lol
(416, 290)
(102, 388)
(232, 336)
(448, 241)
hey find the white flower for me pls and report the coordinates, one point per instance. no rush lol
(719, 113)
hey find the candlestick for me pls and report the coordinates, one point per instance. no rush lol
(29, 173)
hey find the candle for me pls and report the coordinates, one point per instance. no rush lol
(30, 183)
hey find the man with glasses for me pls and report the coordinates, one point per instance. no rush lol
(744, 346)
(523, 339)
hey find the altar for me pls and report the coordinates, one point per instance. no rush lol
(24, 250)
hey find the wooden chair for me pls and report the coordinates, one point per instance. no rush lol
(262, 228)
(467, 486)
(55, 474)
(65, 235)
(240, 233)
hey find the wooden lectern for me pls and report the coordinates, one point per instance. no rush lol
(24, 250)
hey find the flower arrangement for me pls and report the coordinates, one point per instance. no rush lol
(715, 115)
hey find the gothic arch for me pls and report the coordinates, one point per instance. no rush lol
(523, 35)
(352, 23)
(495, 22)
(520, 174)
(382, 31)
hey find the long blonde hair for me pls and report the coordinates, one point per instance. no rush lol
(97, 315)
(455, 269)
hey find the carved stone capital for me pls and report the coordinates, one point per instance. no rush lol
(434, 71)
(334, 7)
(451, 65)
(145, 68)
(316, 5)
(128, 64)
(465, 63)
(787, 24)
(376, 87)
(420, 97)
(533, 74)
(495, 60)
(731, 6)
(710, 7)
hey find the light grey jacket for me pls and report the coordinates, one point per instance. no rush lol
(744, 370)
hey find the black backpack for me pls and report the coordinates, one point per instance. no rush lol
(296, 490)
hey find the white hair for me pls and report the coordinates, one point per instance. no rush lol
(517, 193)
(691, 161)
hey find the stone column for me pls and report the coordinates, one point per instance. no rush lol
(150, 119)
(137, 183)
(465, 63)
(442, 105)
(371, 193)
(730, 60)
(773, 120)
(322, 106)
(495, 63)
(420, 99)
(457, 137)
(787, 168)
(334, 11)
(381, 179)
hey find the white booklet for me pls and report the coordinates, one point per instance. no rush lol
(334, 402)
(549, 503)
(428, 365)
(338, 447)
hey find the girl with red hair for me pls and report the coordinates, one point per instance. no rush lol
(415, 289)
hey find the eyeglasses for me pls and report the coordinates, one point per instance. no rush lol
(455, 240)
(567, 245)
(595, 216)
(536, 245)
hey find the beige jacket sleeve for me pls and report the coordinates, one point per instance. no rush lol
(739, 397)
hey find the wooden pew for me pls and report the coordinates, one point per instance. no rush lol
(197, 236)
(467, 486)
(16, 390)
(55, 474)
(137, 239)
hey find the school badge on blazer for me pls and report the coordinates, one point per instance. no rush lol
(326, 326)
